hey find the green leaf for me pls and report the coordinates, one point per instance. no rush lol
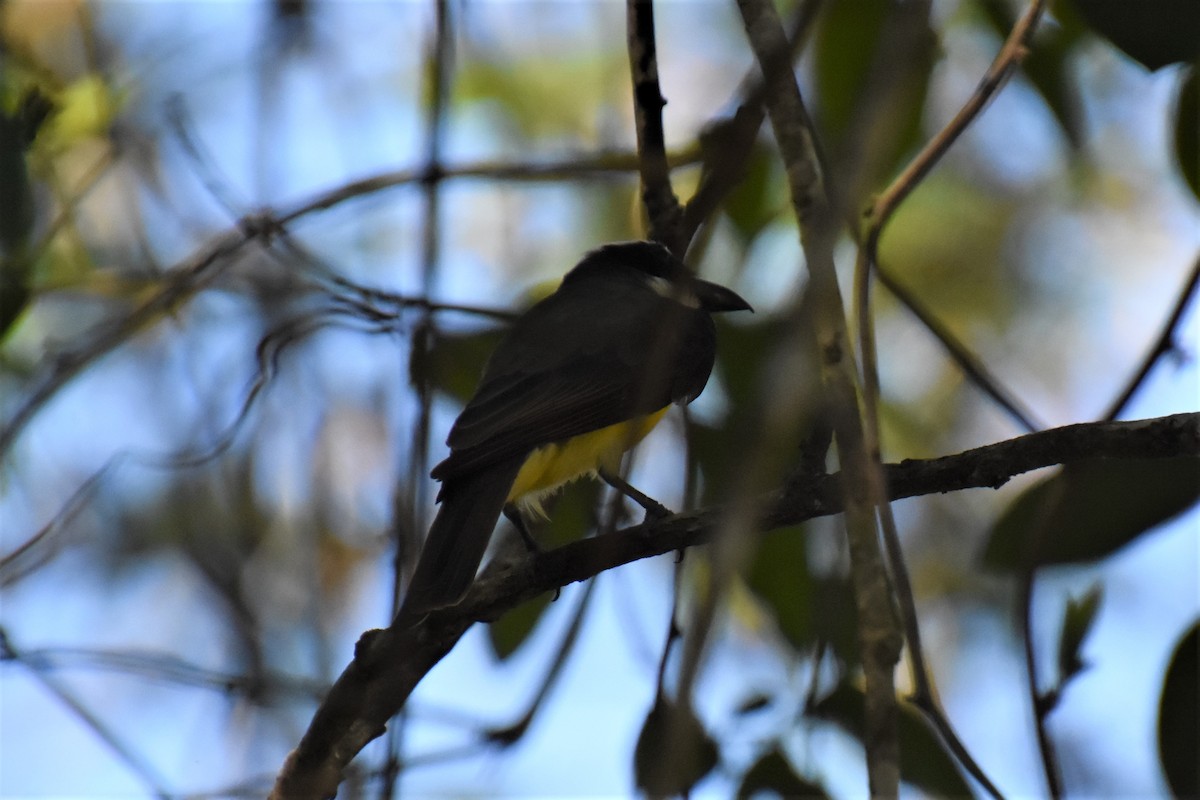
(779, 576)
(1154, 32)
(774, 774)
(1187, 130)
(1091, 509)
(924, 763)
(966, 278)
(848, 44)
(454, 361)
(807, 609)
(572, 513)
(1178, 712)
(512, 629)
(540, 100)
(756, 200)
(673, 751)
(1077, 622)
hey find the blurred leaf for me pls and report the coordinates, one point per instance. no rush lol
(962, 276)
(1048, 63)
(572, 513)
(774, 775)
(541, 101)
(1178, 712)
(454, 362)
(744, 347)
(15, 196)
(849, 43)
(924, 763)
(1154, 32)
(1187, 130)
(780, 577)
(1093, 508)
(85, 109)
(673, 751)
(757, 198)
(1077, 622)
(513, 628)
(807, 608)
(18, 126)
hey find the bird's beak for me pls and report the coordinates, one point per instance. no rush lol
(714, 297)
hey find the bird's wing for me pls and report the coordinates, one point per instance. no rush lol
(515, 414)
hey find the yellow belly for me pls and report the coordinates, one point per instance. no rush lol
(549, 467)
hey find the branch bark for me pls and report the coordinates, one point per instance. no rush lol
(388, 664)
(879, 633)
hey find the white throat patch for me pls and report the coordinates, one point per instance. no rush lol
(665, 288)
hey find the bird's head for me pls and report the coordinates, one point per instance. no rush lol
(653, 266)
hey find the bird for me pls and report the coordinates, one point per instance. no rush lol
(579, 379)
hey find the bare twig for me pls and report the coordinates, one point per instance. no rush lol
(1164, 344)
(511, 733)
(728, 143)
(975, 370)
(659, 199)
(134, 762)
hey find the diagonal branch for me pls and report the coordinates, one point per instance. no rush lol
(389, 663)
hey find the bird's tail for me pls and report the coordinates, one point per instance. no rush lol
(459, 537)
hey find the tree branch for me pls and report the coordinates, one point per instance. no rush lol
(879, 633)
(389, 663)
(662, 207)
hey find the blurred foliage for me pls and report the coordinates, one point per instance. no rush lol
(1091, 509)
(809, 609)
(924, 762)
(1187, 129)
(965, 278)
(881, 51)
(1078, 619)
(1154, 32)
(535, 102)
(1178, 712)
(674, 751)
(99, 200)
(774, 774)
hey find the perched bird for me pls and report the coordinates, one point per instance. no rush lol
(580, 378)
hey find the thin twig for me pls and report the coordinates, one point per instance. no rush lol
(727, 145)
(123, 753)
(972, 366)
(410, 501)
(878, 216)
(1164, 344)
(511, 733)
(662, 206)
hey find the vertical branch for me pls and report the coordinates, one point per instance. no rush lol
(440, 63)
(666, 216)
(878, 632)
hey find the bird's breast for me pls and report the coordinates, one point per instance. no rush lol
(551, 465)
